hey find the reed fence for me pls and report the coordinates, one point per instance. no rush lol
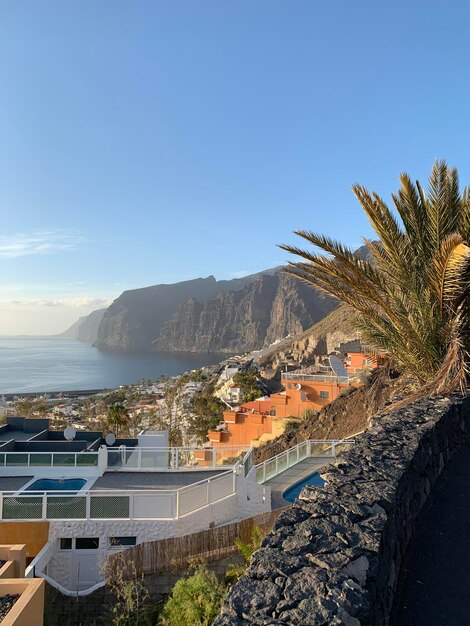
(176, 553)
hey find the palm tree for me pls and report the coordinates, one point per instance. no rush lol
(117, 417)
(410, 296)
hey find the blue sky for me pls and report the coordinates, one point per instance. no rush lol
(156, 141)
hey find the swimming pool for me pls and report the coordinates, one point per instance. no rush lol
(293, 492)
(57, 484)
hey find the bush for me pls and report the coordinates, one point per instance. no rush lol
(131, 598)
(248, 380)
(195, 601)
(246, 550)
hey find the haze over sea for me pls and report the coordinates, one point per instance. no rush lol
(45, 364)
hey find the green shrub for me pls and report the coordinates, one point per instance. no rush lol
(195, 601)
(246, 550)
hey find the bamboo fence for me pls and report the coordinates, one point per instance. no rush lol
(176, 553)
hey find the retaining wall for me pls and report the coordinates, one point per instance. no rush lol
(334, 557)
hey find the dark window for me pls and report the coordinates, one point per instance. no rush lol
(272, 412)
(66, 543)
(87, 543)
(289, 385)
(324, 395)
(115, 542)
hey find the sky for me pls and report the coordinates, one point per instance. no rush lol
(146, 142)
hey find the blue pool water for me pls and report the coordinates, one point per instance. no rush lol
(293, 492)
(55, 484)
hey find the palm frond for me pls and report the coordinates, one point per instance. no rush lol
(412, 294)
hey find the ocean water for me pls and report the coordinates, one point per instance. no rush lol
(45, 364)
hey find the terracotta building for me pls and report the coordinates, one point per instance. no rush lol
(264, 419)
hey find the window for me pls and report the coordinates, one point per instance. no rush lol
(324, 395)
(87, 543)
(289, 385)
(367, 361)
(272, 412)
(117, 542)
(66, 543)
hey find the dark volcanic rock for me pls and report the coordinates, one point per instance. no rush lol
(6, 602)
(334, 557)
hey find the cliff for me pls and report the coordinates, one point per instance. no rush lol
(264, 311)
(322, 338)
(134, 320)
(85, 328)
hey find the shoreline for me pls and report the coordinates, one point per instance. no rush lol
(73, 393)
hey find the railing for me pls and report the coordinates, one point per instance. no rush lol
(323, 378)
(48, 459)
(171, 459)
(361, 370)
(316, 448)
(165, 504)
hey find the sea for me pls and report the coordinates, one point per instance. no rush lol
(43, 364)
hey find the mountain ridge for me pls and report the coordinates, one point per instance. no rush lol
(134, 320)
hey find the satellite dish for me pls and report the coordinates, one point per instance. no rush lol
(298, 386)
(110, 439)
(337, 366)
(69, 433)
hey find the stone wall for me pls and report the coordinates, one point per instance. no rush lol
(334, 557)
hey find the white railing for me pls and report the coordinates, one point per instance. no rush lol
(155, 504)
(322, 378)
(164, 504)
(321, 449)
(48, 459)
(125, 459)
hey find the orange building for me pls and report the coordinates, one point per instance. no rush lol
(253, 420)
(356, 362)
(356, 357)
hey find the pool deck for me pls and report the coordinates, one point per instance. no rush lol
(293, 475)
(13, 483)
(150, 480)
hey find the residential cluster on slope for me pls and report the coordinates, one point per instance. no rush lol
(306, 390)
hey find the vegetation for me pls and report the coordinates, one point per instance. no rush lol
(248, 381)
(207, 412)
(117, 417)
(246, 550)
(131, 607)
(31, 407)
(410, 295)
(195, 601)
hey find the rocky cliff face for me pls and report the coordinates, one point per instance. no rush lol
(85, 328)
(134, 320)
(322, 338)
(268, 309)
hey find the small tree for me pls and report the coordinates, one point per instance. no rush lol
(248, 381)
(130, 593)
(117, 417)
(195, 601)
(246, 550)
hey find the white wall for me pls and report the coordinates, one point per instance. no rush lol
(153, 439)
(249, 500)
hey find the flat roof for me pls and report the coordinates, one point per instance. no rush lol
(13, 483)
(17, 435)
(150, 480)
